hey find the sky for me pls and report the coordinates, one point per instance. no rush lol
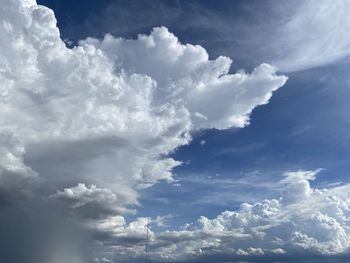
(219, 129)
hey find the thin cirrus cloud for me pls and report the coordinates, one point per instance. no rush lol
(84, 129)
(293, 36)
(316, 35)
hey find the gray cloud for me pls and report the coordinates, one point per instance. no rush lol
(84, 129)
(89, 201)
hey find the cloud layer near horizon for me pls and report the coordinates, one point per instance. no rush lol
(84, 129)
(302, 221)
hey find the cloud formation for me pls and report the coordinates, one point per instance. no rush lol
(315, 35)
(293, 36)
(303, 221)
(83, 129)
(89, 201)
(107, 112)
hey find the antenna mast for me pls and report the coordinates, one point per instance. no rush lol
(147, 240)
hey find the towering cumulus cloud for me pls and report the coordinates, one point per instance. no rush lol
(302, 221)
(83, 129)
(108, 112)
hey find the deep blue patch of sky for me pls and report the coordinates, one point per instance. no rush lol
(305, 125)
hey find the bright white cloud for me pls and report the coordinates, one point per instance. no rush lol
(314, 222)
(185, 75)
(107, 112)
(100, 119)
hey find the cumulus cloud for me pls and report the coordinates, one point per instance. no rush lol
(314, 222)
(91, 125)
(83, 129)
(89, 201)
(16, 179)
(187, 75)
(109, 112)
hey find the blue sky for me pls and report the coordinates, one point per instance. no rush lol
(304, 126)
(104, 138)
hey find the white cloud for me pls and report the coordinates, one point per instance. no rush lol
(314, 222)
(109, 112)
(185, 74)
(292, 35)
(100, 119)
(296, 185)
(314, 35)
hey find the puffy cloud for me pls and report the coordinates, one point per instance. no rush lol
(185, 73)
(296, 185)
(90, 201)
(99, 120)
(16, 179)
(109, 112)
(114, 236)
(314, 222)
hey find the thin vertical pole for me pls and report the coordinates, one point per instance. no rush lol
(147, 240)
